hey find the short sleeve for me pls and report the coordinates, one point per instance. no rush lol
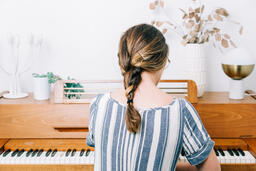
(197, 144)
(93, 113)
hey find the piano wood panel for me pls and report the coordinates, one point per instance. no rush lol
(40, 120)
(53, 167)
(238, 167)
(45, 144)
(230, 143)
(228, 120)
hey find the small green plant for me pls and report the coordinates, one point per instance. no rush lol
(52, 78)
(73, 85)
(36, 75)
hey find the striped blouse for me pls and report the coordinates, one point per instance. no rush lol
(157, 145)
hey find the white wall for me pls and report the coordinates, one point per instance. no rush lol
(81, 37)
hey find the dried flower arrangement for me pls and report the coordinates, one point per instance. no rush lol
(198, 27)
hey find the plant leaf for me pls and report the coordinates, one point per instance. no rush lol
(217, 17)
(162, 4)
(217, 37)
(224, 43)
(197, 27)
(184, 42)
(222, 11)
(197, 10)
(232, 43)
(168, 22)
(159, 23)
(188, 25)
(241, 30)
(185, 36)
(226, 36)
(185, 16)
(209, 17)
(164, 31)
(182, 11)
(152, 6)
(197, 18)
(202, 9)
(216, 29)
(191, 14)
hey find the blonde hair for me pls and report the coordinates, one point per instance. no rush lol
(141, 48)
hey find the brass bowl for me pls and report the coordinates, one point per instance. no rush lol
(237, 72)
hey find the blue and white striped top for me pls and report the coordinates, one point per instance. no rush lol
(163, 133)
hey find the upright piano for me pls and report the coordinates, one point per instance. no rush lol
(42, 135)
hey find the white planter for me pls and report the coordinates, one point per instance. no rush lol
(195, 66)
(41, 88)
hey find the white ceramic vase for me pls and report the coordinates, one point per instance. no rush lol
(195, 66)
(41, 88)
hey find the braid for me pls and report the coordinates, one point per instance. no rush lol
(132, 117)
(141, 48)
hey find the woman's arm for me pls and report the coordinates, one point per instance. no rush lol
(210, 164)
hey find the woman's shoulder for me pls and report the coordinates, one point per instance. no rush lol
(95, 100)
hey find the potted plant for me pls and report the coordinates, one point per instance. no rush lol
(196, 29)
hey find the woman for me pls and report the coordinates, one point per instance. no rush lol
(140, 127)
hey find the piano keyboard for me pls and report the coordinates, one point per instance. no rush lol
(71, 156)
(231, 156)
(47, 157)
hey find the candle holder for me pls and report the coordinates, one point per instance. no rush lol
(33, 44)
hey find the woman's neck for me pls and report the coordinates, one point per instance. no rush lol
(149, 81)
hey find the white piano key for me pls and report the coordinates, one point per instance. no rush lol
(221, 158)
(250, 158)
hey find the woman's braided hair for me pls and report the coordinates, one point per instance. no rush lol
(141, 48)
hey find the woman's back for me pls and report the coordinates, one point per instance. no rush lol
(146, 128)
(156, 145)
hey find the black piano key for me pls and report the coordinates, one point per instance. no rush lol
(34, 153)
(235, 152)
(6, 152)
(48, 152)
(40, 152)
(241, 152)
(230, 152)
(14, 153)
(216, 152)
(68, 152)
(29, 152)
(20, 152)
(82, 153)
(87, 152)
(54, 152)
(73, 152)
(221, 152)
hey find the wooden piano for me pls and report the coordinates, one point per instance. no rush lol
(43, 135)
